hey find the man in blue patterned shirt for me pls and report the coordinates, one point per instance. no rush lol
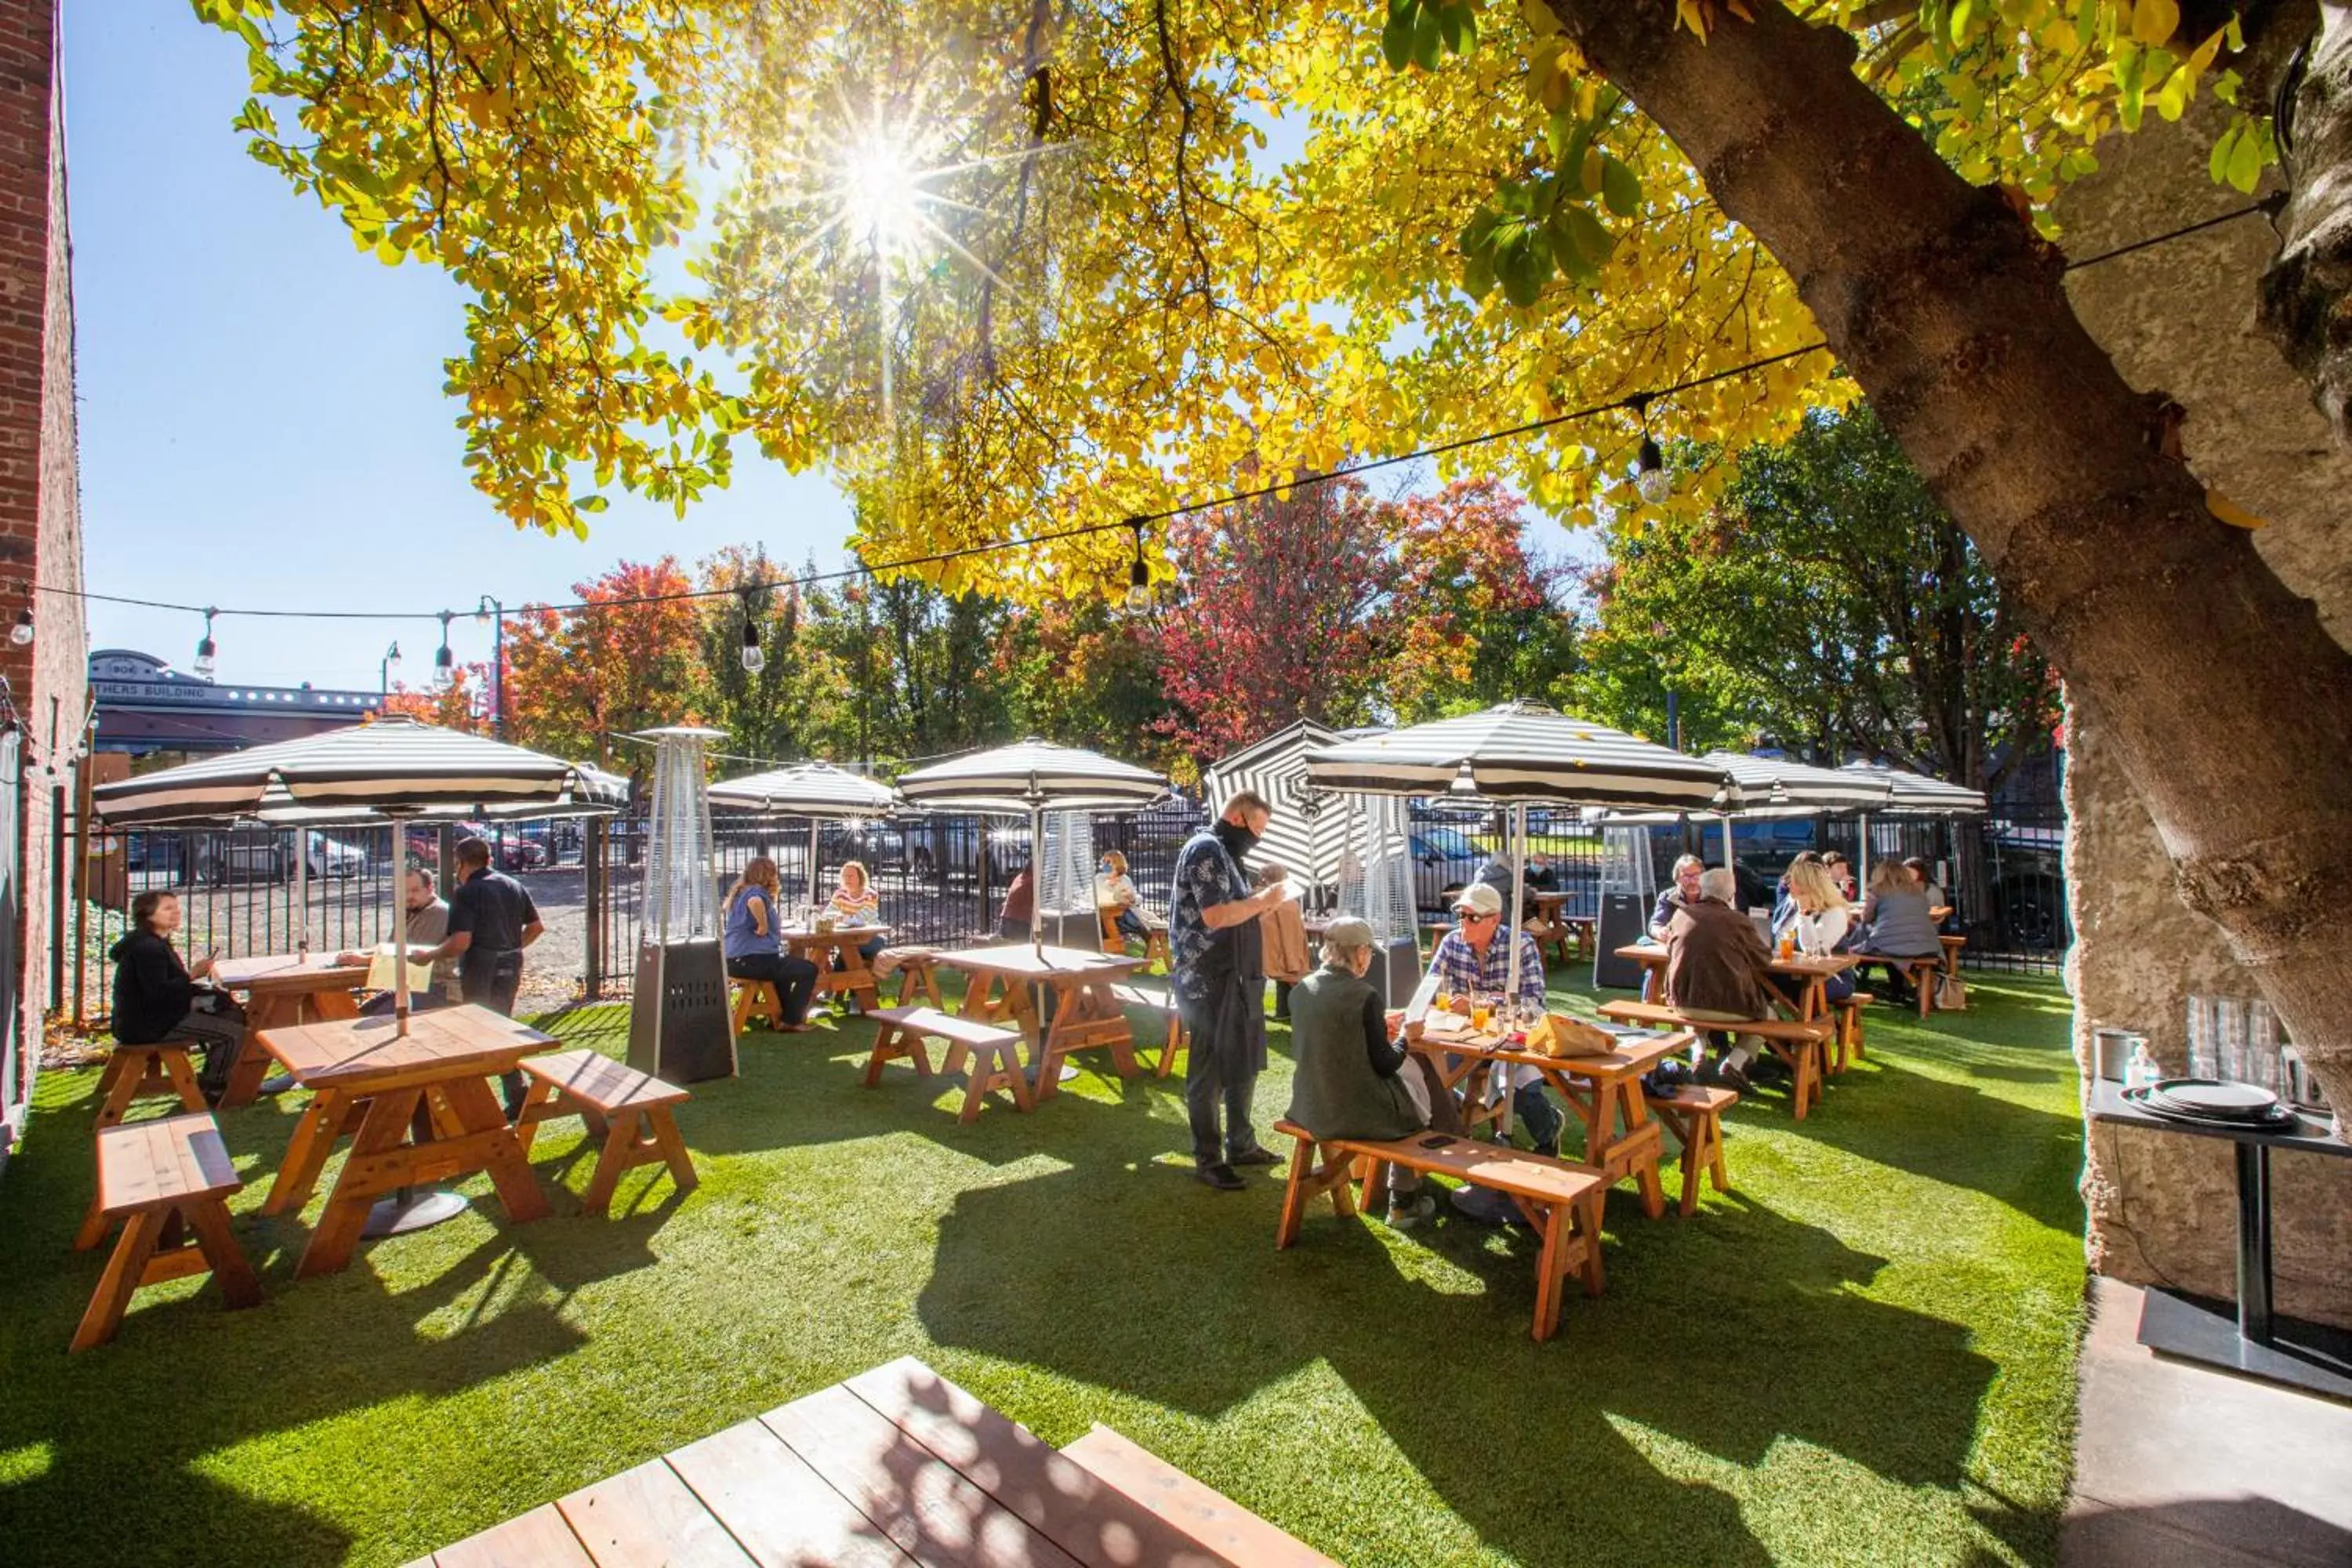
(1217, 975)
(1470, 959)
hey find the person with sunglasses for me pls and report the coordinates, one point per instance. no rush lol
(1472, 958)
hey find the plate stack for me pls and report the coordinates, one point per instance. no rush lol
(2203, 1101)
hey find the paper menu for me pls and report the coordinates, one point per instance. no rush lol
(1424, 995)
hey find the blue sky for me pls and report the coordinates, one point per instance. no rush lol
(262, 421)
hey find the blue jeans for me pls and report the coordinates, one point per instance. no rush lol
(1540, 1116)
(1128, 921)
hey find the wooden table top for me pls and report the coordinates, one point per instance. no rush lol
(894, 1466)
(359, 1054)
(1632, 1058)
(1819, 968)
(810, 934)
(1026, 963)
(319, 971)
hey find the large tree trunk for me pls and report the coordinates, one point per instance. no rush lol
(2231, 703)
(2307, 296)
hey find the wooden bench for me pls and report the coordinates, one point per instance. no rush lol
(1847, 1041)
(1695, 1112)
(165, 1179)
(1560, 1200)
(628, 1109)
(757, 999)
(1803, 1047)
(989, 1056)
(919, 971)
(133, 1073)
(1210, 1518)
(1164, 1005)
(1155, 939)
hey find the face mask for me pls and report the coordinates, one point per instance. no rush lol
(1237, 840)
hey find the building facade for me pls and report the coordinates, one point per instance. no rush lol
(45, 680)
(145, 706)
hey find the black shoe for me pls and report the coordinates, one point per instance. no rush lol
(1732, 1077)
(277, 1083)
(1255, 1155)
(1222, 1177)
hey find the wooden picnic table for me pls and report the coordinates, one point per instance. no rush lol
(368, 1080)
(1813, 997)
(898, 1466)
(854, 977)
(1606, 1092)
(1582, 929)
(282, 988)
(1087, 1014)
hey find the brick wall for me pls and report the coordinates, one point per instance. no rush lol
(41, 518)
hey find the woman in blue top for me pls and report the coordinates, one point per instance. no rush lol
(751, 945)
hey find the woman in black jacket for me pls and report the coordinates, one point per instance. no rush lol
(155, 995)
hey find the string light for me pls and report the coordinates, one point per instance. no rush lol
(21, 633)
(1139, 572)
(444, 666)
(1653, 480)
(754, 660)
(206, 648)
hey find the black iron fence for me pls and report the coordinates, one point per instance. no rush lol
(940, 878)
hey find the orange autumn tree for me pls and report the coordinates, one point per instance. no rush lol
(624, 658)
(464, 703)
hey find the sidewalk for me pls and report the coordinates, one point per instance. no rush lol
(2179, 1464)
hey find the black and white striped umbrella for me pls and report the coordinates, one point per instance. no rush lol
(1032, 775)
(807, 789)
(1309, 831)
(1917, 795)
(394, 766)
(1523, 752)
(1776, 786)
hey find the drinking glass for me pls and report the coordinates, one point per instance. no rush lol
(2110, 1050)
(2229, 1037)
(1482, 1012)
(2204, 1057)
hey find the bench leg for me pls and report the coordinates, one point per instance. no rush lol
(538, 1106)
(892, 1041)
(1805, 1075)
(672, 1148)
(620, 1153)
(307, 1152)
(121, 1278)
(992, 1068)
(1176, 1042)
(1560, 1243)
(1294, 1192)
(208, 1217)
(1854, 1026)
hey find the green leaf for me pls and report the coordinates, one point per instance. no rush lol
(1571, 158)
(1459, 26)
(1558, 131)
(1960, 21)
(2245, 167)
(1593, 241)
(590, 503)
(1396, 38)
(1619, 187)
(1428, 43)
(1478, 274)
(1525, 266)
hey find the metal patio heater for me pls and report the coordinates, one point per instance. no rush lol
(679, 1028)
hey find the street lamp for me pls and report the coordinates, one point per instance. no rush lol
(491, 610)
(384, 668)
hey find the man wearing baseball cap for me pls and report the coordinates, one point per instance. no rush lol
(1470, 959)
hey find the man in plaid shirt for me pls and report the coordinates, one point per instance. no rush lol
(1470, 958)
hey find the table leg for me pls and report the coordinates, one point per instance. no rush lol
(1636, 1114)
(306, 1152)
(334, 1007)
(2254, 1242)
(385, 1130)
(471, 1102)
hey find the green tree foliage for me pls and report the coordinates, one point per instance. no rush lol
(1828, 601)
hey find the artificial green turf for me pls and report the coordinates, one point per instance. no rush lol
(1864, 1355)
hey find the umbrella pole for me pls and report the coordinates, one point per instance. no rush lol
(1862, 858)
(1725, 817)
(814, 829)
(406, 1209)
(400, 945)
(1036, 881)
(303, 892)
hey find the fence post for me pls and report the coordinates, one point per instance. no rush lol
(82, 781)
(57, 874)
(591, 870)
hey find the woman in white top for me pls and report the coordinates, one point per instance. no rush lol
(1115, 893)
(1823, 918)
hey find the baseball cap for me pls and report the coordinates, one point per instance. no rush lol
(1479, 899)
(1348, 932)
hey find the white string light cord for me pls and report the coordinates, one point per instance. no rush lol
(1650, 479)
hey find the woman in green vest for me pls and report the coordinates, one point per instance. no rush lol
(1353, 1080)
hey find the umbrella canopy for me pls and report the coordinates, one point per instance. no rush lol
(1306, 836)
(1917, 795)
(1777, 786)
(806, 789)
(1032, 775)
(1523, 752)
(394, 765)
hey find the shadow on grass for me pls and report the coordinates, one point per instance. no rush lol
(1729, 1333)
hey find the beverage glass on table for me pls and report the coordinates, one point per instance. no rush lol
(1482, 1012)
(2204, 1058)
(1788, 944)
(2229, 1037)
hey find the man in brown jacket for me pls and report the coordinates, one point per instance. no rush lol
(1718, 969)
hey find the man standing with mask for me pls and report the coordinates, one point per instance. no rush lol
(1218, 977)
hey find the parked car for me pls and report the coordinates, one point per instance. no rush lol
(2026, 872)
(334, 857)
(243, 854)
(1442, 859)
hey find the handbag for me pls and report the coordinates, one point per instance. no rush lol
(1951, 993)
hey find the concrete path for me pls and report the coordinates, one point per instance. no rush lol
(2176, 1464)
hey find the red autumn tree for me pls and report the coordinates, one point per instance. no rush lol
(464, 703)
(625, 658)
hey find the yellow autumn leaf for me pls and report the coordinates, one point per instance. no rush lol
(2230, 512)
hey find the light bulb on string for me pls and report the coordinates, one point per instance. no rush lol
(754, 658)
(21, 633)
(205, 649)
(1651, 479)
(444, 665)
(1138, 573)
